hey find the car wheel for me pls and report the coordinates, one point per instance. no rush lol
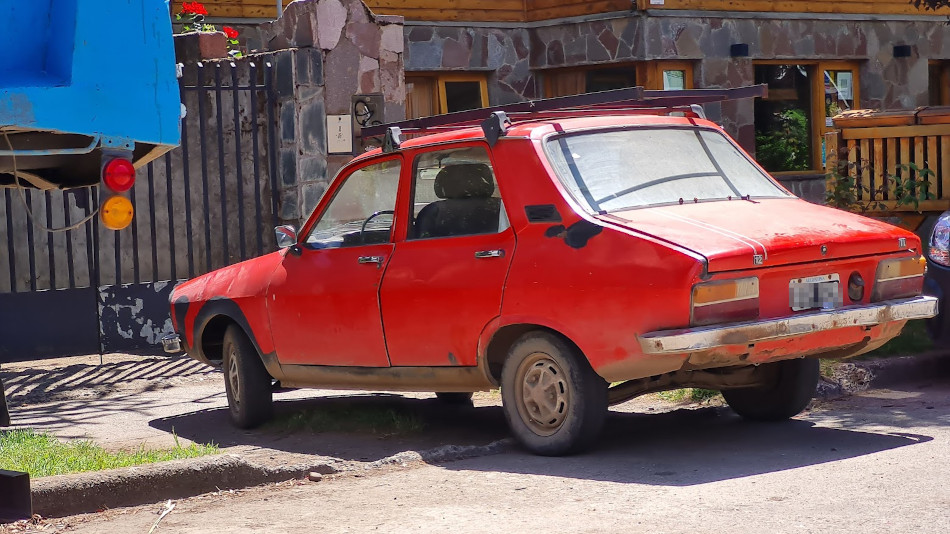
(455, 397)
(246, 381)
(787, 394)
(553, 400)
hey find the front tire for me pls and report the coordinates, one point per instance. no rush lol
(246, 381)
(792, 386)
(553, 400)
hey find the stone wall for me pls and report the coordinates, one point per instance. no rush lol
(516, 57)
(338, 49)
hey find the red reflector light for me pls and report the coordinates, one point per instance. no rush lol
(119, 175)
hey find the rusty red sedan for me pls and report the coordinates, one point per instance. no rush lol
(574, 261)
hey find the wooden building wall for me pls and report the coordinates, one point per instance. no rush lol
(534, 10)
(877, 7)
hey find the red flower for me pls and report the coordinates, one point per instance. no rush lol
(193, 8)
(230, 32)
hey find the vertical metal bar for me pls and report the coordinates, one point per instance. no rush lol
(118, 256)
(186, 178)
(221, 173)
(255, 153)
(70, 268)
(95, 246)
(272, 137)
(204, 164)
(28, 194)
(171, 216)
(51, 254)
(136, 275)
(10, 243)
(90, 249)
(151, 217)
(235, 97)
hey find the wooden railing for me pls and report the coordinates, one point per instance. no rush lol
(892, 154)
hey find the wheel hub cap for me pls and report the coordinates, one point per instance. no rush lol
(233, 378)
(544, 394)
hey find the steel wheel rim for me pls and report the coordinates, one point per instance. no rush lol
(542, 394)
(233, 378)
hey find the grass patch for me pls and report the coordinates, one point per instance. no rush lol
(352, 418)
(688, 394)
(42, 455)
(913, 339)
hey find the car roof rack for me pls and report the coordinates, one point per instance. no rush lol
(629, 101)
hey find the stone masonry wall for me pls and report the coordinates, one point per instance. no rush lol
(517, 57)
(340, 49)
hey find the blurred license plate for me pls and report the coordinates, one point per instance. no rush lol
(815, 292)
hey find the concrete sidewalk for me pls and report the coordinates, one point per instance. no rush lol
(130, 401)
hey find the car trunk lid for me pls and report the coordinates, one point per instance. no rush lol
(742, 234)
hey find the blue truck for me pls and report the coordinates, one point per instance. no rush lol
(83, 82)
(88, 94)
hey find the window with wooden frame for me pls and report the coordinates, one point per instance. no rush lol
(939, 83)
(432, 94)
(803, 97)
(670, 75)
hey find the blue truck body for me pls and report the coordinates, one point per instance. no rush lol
(80, 77)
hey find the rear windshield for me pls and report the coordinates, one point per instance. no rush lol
(615, 170)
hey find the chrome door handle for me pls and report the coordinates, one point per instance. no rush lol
(378, 260)
(498, 253)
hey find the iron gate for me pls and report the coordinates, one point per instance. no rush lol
(204, 205)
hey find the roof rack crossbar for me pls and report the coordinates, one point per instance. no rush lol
(613, 102)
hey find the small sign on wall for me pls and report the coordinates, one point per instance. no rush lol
(339, 134)
(656, 2)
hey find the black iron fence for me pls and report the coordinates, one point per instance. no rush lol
(204, 205)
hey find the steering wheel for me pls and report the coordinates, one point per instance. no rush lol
(370, 218)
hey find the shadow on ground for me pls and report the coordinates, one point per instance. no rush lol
(438, 424)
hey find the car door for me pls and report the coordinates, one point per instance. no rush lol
(444, 282)
(324, 299)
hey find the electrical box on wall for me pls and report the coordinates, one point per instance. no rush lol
(339, 134)
(366, 110)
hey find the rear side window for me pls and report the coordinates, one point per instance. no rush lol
(622, 169)
(454, 194)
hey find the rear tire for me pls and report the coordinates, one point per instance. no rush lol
(246, 381)
(553, 400)
(455, 398)
(793, 386)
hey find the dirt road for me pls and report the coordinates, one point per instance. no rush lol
(876, 462)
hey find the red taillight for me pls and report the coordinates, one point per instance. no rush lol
(119, 175)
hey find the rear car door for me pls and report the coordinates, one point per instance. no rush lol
(444, 282)
(323, 301)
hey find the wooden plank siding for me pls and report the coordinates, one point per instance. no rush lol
(536, 10)
(876, 7)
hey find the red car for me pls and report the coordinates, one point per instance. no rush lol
(574, 261)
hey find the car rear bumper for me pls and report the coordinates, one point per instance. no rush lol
(703, 338)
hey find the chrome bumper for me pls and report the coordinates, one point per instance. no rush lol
(709, 337)
(171, 343)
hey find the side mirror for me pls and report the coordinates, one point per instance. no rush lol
(286, 235)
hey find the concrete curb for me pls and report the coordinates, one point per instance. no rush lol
(79, 493)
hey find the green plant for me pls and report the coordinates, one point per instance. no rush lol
(41, 454)
(688, 395)
(907, 186)
(785, 145)
(192, 19)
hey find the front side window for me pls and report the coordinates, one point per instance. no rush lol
(361, 212)
(622, 169)
(454, 194)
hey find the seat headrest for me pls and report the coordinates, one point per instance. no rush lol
(465, 180)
